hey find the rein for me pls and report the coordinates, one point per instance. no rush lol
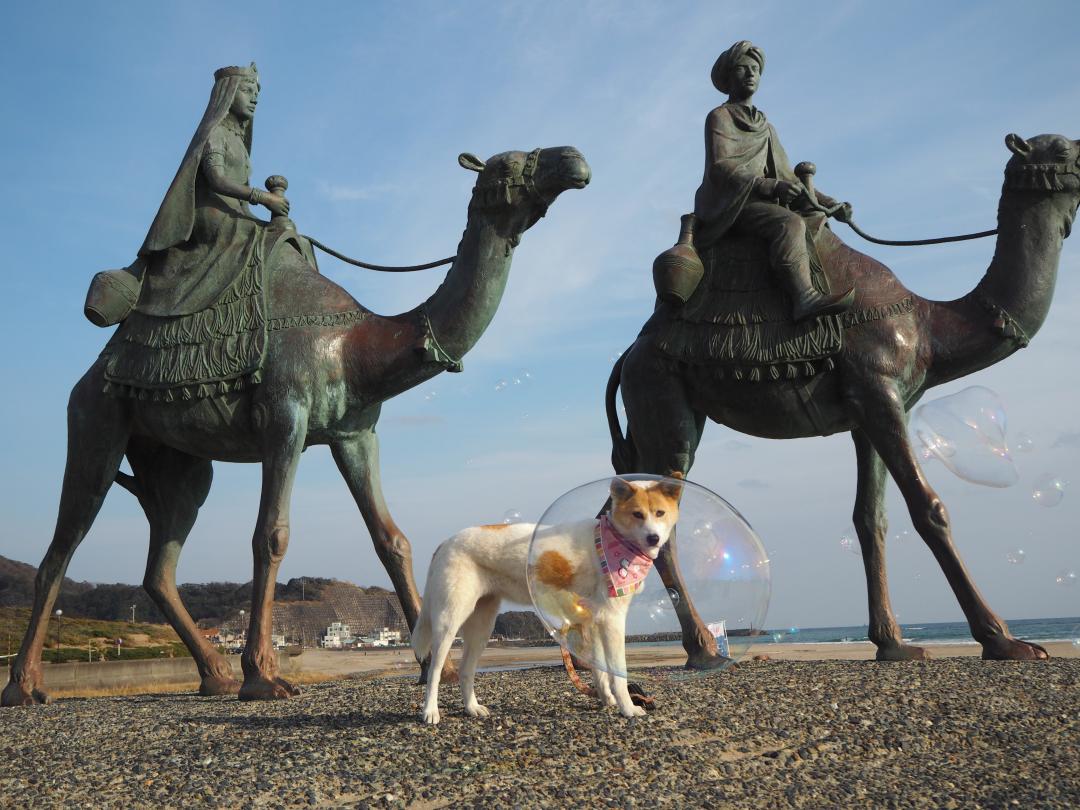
(381, 268)
(1032, 177)
(501, 189)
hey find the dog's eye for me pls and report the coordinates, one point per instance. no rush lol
(659, 512)
(639, 515)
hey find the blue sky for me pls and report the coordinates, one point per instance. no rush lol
(364, 107)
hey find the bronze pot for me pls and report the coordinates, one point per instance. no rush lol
(678, 270)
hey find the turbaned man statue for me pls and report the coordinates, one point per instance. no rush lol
(749, 187)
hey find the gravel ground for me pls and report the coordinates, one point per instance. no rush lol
(947, 733)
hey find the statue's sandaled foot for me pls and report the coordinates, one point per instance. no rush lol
(261, 688)
(219, 685)
(17, 694)
(902, 652)
(1013, 649)
(640, 697)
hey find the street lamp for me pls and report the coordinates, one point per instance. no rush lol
(59, 613)
(243, 630)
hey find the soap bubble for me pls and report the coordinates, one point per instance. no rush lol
(1066, 579)
(430, 395)
(1049, 490)
(777, 637)
(511, 516)
(725, 570)
(793, 631)
(966, 433)
(1023, 443)
(500, 385)
(1016, 556)
(849, 541)
(902, 536)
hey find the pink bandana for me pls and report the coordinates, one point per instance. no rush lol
(625, 566)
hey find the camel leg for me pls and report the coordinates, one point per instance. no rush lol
(283, 441)
(882, 419)
(871, 525)
(171, 487)
(668, 433)
(97, 435)
(358, 460)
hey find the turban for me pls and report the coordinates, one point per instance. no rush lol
(726, 61)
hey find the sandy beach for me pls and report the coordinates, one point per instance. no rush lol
(346, 663)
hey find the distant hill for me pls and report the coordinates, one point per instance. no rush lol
(303, 607)
(301, 603)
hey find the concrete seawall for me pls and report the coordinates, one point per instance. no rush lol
(140, 672)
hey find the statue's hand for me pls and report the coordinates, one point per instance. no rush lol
(787, 191)
(844, 212)
(276, 203)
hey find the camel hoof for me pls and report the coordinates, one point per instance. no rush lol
(1013, 649)
(259, 688)
(16, 694)
(902, 652)
(705, 661)
(213, 685)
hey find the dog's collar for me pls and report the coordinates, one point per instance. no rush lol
(620, 560)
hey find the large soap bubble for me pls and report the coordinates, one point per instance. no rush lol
(724, 565)
(966, 432)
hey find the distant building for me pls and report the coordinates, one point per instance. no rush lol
(337, 636)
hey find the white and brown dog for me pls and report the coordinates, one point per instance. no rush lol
(584, 576)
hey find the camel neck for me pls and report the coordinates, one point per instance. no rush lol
(1023, 273)
(464, 304)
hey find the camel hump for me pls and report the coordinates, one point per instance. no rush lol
(297, 289)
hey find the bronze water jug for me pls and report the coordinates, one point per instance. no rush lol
(678, 270)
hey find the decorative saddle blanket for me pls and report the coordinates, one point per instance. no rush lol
(218, 349)
(739, 317)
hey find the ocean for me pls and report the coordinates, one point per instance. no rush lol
(1062, 629)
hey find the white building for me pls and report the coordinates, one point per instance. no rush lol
(337, 636)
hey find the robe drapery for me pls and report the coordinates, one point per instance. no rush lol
(741, 147)
(201, 241)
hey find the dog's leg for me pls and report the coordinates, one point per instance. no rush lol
(440, 649)
(475, 633)
(613, 634)
(601, 669)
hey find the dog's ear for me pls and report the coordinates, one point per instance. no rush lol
(620, 490)
(672, 489)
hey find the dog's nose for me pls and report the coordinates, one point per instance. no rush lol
(653, 539)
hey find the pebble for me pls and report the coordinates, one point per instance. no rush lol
(943, 733)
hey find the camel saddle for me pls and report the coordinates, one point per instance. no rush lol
(221, 348)
(739, 322)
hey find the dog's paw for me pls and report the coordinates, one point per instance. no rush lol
(431, 716)
(632, 711)
(476, 710)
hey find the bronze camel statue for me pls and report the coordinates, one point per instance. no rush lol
(896, 345)
(329, 366)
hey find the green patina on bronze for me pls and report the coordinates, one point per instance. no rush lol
(723, 356)
(239, 350)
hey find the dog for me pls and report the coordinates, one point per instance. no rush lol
(584, 574)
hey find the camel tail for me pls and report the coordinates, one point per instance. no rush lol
(622, 448)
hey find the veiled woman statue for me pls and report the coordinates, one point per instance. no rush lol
(195, 327)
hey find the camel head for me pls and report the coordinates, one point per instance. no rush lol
(515, 189)
(1049, 164)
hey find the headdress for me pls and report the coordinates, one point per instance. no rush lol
(245, 72)
(722, 68)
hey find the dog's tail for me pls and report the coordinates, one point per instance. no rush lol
(622, 447)
(421, 634)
